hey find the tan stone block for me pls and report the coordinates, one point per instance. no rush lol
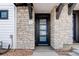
(25, 32)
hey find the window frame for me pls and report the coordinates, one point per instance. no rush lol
(4, 11)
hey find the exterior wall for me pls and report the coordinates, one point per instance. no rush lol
(25, 29)
(61, 29)
(7, 25)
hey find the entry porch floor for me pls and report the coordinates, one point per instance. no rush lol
(44, 51)
(38, 51)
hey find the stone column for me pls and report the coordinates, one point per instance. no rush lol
(61, 29)
(25, 29)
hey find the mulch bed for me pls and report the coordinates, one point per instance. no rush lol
(18, 52)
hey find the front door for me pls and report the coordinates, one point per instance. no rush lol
(42, 29)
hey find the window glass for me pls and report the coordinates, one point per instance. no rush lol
(42, 21)
(43, 38)
(42, 27)
(3, 14)
(42, 32)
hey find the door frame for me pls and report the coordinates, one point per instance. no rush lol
(75, 26)
(39, 15)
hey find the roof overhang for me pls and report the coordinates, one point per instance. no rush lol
(44, 7)
(22, 4)
(76, 7)
(40, 7)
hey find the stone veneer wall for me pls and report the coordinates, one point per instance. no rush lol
(25, 29)
(61, 29)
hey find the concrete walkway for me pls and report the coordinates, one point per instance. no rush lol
(44, 51)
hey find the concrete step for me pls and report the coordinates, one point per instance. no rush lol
(75, 45)
(73, 54)
(76, 48)
(76, 51)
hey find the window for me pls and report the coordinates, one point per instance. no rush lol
(3, 14)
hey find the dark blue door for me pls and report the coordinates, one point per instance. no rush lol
(42, 31)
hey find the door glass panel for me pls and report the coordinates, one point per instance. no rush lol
(42, 32)
(42, 27)
(43, 38)
(42, 21)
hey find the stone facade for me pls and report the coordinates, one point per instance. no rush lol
(25, 29)
(61, 29)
